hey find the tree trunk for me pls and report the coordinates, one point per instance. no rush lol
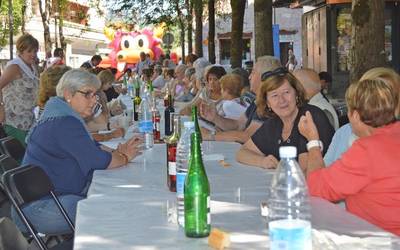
(211, 31)
(263, 28)
(23, 12)
(11, 25)
(198, 43)
(189, 20)
(368, 37)
(45, 14)
(181, 24)
(61, 10)
(238, 7)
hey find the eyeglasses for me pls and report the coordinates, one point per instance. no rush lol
(276, 72)
(88, 94)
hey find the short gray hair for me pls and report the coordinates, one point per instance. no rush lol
(76, 79)
(189, 72)
(199, 65)
(267, 63)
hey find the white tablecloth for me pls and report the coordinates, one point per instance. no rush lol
(131, 208)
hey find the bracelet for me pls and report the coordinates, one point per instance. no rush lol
(123, 156)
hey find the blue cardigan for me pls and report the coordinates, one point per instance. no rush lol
(63, 148)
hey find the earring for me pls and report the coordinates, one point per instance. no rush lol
(269, 109)
(68, 100)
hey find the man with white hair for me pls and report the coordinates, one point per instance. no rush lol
(311, 83)
(240, 130)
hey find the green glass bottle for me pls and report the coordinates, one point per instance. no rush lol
(197, 194)
(195, 119)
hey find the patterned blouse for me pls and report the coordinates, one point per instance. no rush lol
(20, 97)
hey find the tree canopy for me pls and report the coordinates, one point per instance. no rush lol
(4, 19)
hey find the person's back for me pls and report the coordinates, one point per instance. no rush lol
(375, 194)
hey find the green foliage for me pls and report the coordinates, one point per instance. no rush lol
(4, 19)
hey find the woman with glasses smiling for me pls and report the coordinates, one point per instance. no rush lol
(282, 98)
(61, 144)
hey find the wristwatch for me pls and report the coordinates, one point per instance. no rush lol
(315, 143)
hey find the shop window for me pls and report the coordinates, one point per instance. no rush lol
(225, 50)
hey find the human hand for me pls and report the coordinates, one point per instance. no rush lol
(208, 111)
(131, 148)
(307, 127)
(119, 132)
(269, 162)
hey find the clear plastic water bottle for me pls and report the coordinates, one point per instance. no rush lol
(146, 123)
(289, 205)
(182, 158)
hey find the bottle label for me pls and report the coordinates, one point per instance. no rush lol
(180, 184)
(146, 126)
(290, 234)
(171, 168)
(208, 211)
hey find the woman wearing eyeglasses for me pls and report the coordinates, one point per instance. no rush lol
(61, 144)
(282, 98)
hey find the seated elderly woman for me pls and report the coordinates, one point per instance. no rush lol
(344, 136)
(282, 98)
(62, 146)
(101, 119)
(199, 66)
(367, 176)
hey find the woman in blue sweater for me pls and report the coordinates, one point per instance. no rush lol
(62, 146)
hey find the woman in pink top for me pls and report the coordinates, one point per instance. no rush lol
(367, 176)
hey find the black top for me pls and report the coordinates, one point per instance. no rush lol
(251, 114)
(268, 138)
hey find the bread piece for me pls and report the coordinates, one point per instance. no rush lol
(219, 239)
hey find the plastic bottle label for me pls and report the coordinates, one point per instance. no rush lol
(180, 184)
(146, 126)
(171, 168)
(290, 235)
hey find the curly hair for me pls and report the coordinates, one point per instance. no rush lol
(48, 82)
(273, 82)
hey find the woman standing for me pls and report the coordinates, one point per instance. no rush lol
(19, 84)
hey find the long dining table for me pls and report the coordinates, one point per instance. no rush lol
(131, 208)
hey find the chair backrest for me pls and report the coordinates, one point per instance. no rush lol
(27, 183)
(7, 163)
(13, 148)
(30, 183)
(2, 132)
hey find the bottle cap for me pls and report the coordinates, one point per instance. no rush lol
(287, 152)
(188, 124)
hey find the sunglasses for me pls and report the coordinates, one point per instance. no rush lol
(276, 72)
(88, 94)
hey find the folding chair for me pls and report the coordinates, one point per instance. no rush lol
(12, 147)
(27, 184)
(6, 163)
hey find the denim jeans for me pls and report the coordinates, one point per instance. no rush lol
(45, 216)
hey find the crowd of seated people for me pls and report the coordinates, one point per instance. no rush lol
(269, 108)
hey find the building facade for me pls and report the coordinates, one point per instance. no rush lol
(288, 20)
(82, 29)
